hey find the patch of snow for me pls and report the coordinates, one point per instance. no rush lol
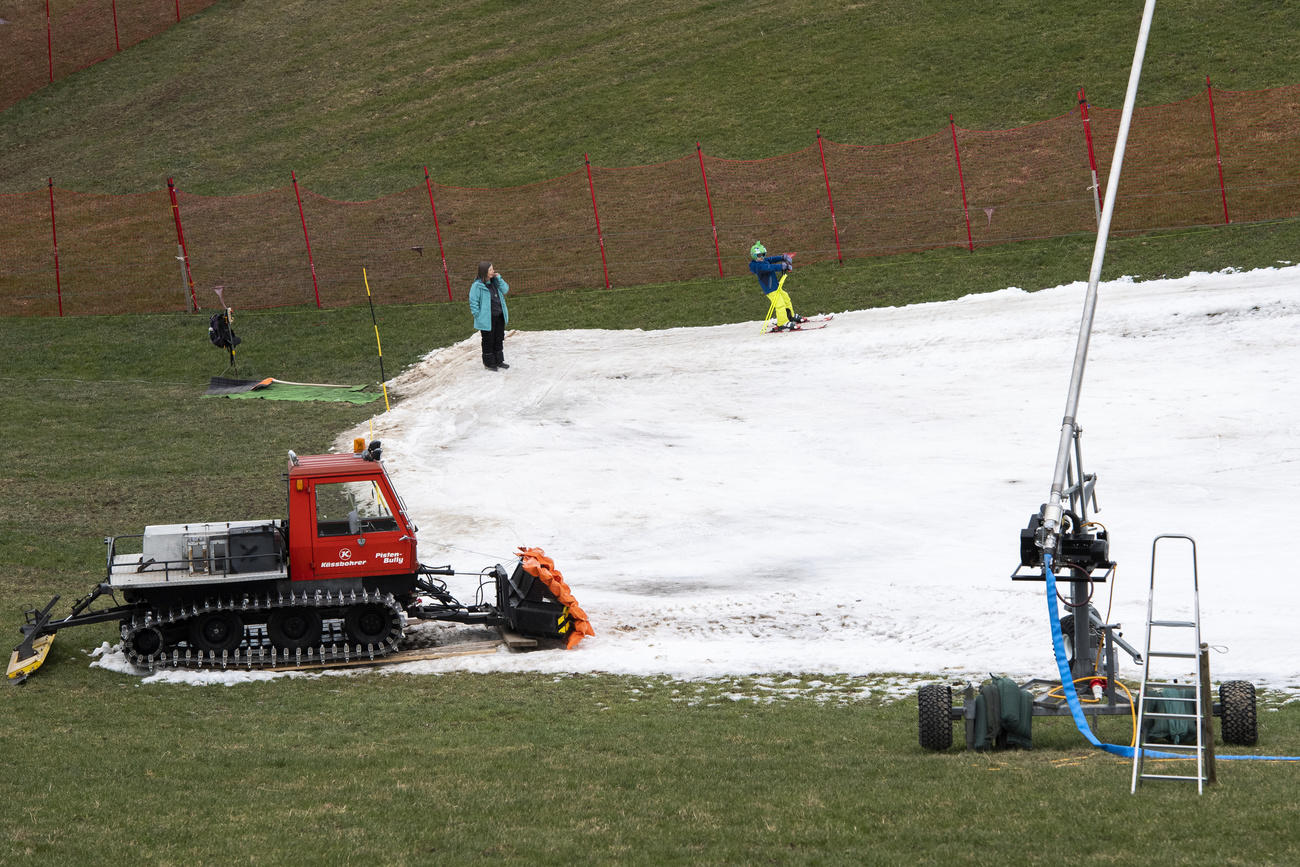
(848, 501)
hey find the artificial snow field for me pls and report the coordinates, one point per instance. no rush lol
(849, 500)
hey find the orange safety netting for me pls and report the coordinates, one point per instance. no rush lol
(41, 43)
(541, 567)
(690, 218)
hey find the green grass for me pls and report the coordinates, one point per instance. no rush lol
(105, 430)
(357, 96)
(518, 769)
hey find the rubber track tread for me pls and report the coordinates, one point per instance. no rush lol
(255, 650)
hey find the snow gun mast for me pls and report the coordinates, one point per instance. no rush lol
(1061, 539)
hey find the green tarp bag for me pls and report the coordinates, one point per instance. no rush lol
(1004, 715)
(1164, 729)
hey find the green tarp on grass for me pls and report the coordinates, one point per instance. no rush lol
(275, 389)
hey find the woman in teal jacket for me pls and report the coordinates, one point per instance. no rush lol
(487, 302)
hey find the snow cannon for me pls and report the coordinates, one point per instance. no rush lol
(1062, 543)
(1077, 546)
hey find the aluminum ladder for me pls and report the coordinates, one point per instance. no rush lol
(1178, 652)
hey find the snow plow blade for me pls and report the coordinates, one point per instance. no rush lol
(35, 646)
(28, 656)
(536, 602)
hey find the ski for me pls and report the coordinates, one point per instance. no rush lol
(811, 323)
(807, 326)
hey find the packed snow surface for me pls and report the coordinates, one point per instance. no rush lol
(849, 500)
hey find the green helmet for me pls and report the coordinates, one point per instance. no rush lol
(757, 251)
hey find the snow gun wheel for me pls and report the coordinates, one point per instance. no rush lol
(934, 706)
(294, 628)
(1237, 701)
(217, 632)
(1067, 633)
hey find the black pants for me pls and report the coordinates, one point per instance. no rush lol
(494, 341)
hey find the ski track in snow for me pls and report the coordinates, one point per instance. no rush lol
(848, 501)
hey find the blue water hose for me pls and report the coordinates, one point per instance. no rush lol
(1072, 697)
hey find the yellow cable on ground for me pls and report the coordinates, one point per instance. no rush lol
(1059, 692)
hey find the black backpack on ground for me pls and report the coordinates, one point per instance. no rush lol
(220, 332)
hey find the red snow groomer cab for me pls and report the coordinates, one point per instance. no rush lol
(358, 529)
(336, 580)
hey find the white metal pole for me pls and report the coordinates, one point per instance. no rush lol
(1056, 499)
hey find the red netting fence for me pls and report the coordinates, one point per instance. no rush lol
(1217, 157)
(44, 40)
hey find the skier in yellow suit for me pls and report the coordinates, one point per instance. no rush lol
(770, 271)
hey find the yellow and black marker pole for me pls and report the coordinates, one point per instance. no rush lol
(382, 377)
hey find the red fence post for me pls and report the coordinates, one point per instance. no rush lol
(437, 231)
(970, 241)
(709, 199)
(49, 40)
(311, 261)
(180, 239)
(1214, 125)
(178, 11)
(600, 237)
(117, 40)
(1092, 157)
(54, 233)
(834, 226)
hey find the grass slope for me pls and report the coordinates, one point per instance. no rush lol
(105, 431)
(357, 96)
